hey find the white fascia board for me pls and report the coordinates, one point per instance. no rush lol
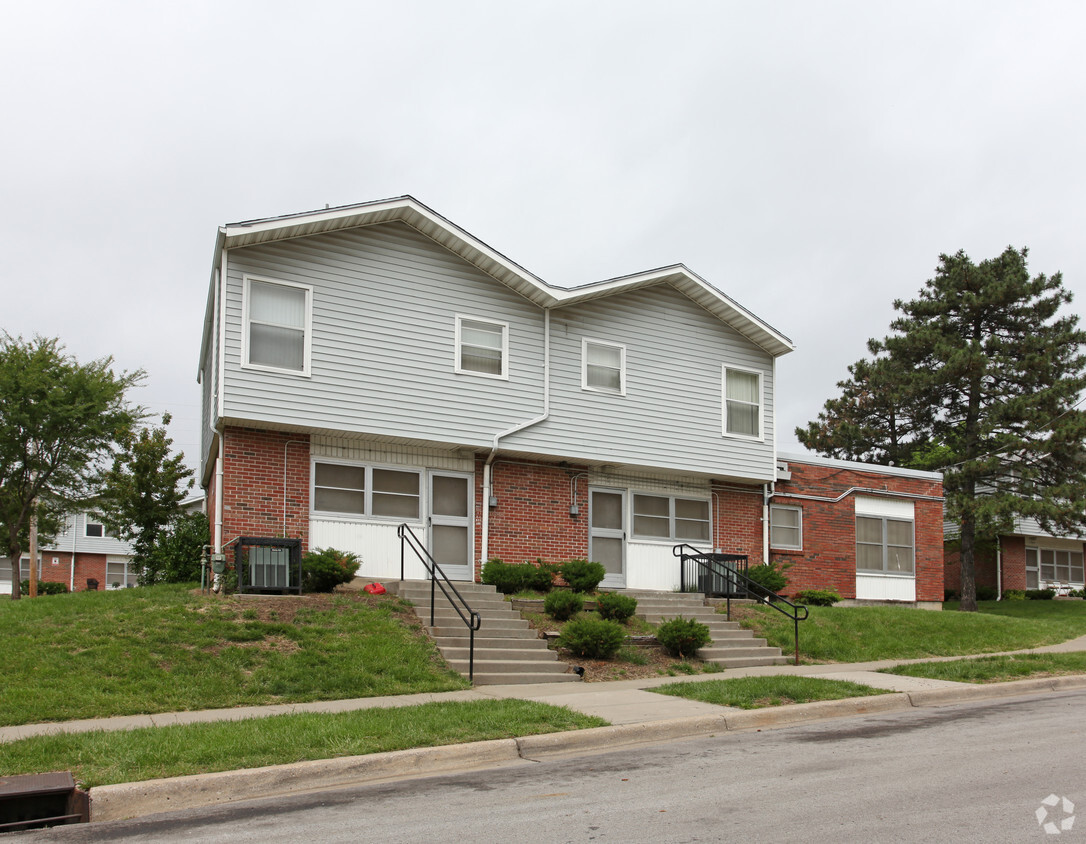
(875, 468)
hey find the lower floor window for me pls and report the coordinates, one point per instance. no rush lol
(884, 545)
(667, 517)
(366, 491)
(120, 574)
(1052, 565)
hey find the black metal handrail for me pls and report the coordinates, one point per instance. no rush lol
(438, 579)
(716, 565)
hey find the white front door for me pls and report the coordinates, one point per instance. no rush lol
(451, 534)
(607, 534)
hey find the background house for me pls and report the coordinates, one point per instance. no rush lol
(374, 364)
(83, 551)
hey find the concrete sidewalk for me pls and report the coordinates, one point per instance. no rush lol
(637, 716)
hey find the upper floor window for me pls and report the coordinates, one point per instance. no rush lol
(603, 367)
(742, 403)
(95, 529)
(277, 324)
(785, 528)
(482, 347)
(667, 517)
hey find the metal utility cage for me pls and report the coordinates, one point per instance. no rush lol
(268, 565)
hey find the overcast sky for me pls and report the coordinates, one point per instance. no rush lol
(810, 159)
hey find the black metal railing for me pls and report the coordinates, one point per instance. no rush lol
(730, 572)
(438, 580)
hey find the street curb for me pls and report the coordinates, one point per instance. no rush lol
(132, 800)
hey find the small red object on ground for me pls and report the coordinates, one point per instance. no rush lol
(374, 589)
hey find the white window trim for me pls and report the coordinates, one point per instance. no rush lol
(585, 343)
(672, 539)
(884, 518)
(724, 403)
(307, 339)
(366, 516)
(459, 370)
(799, 527)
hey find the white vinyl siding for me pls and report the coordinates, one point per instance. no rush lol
(277, 324)
(603, 367)
(348, 490)
(482, 348)
(786, 527)
(671, 518)
(742, 403)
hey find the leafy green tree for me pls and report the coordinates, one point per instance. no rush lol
(143, 492)
(992, 371)
(177, 552)
(60, 422)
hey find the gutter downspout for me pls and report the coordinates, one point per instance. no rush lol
(218, 494)
(999, 569)
(487, 470)
(75, 523)
(767, 493)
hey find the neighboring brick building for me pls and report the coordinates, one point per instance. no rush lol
(99, 557)
(374, 365)
(1026, 558)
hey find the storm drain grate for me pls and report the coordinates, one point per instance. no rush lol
(34, 801)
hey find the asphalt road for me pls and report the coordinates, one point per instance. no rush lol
(969, 772)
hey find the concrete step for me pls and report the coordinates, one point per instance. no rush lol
(450, 632)
(504, 643)
(492, 654)
(489, 678)
(751, 661)
(509, 666)
(714, 652)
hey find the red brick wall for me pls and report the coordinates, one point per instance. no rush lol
(1014, 562)
(532, 518)
(253, 491)
(828, 558)
(86, 566)
(984, 564)
(737, 521)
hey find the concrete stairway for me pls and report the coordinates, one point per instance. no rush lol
(507, 650)
(732, 646)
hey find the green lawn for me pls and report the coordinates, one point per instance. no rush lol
(101, 758)
(995, 669)
(759, 692)
(166, 648)
(861, 634)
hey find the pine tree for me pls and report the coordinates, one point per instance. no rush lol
(992, 373)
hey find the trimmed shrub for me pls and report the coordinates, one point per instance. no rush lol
(540, 577)
(324, 570)
(583, 576)
(1077, 593)
(561, 605)
(987, 593)
(1014, 594)
(504, 577)
(45, 587)
(595, 638)
(1040, 594)
(683, 636)
(770, 575)
(615, 606)
(817, 597)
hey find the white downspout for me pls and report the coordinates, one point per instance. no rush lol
(766, 495)
(75, 537)
(219, 494)
(487, 470)
(999, 569)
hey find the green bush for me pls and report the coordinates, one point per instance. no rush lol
(323, 570)
(561, 605)
(987, 593)
(1077, 593)
(1014, 594)
(770, 575)
(504, 577)
(1040, 594)
(683, 636)
(950, 594)
(817, 597)
(583, 576)
(595, 638)
(615, 606)
(540, 577)
(45, 587)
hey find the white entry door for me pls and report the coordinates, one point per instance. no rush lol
(452, 538)
(607, 534)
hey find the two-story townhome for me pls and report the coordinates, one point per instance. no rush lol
(83, 555)
(375, 364)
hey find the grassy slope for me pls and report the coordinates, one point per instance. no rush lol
(859, 634)
(161, 649)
